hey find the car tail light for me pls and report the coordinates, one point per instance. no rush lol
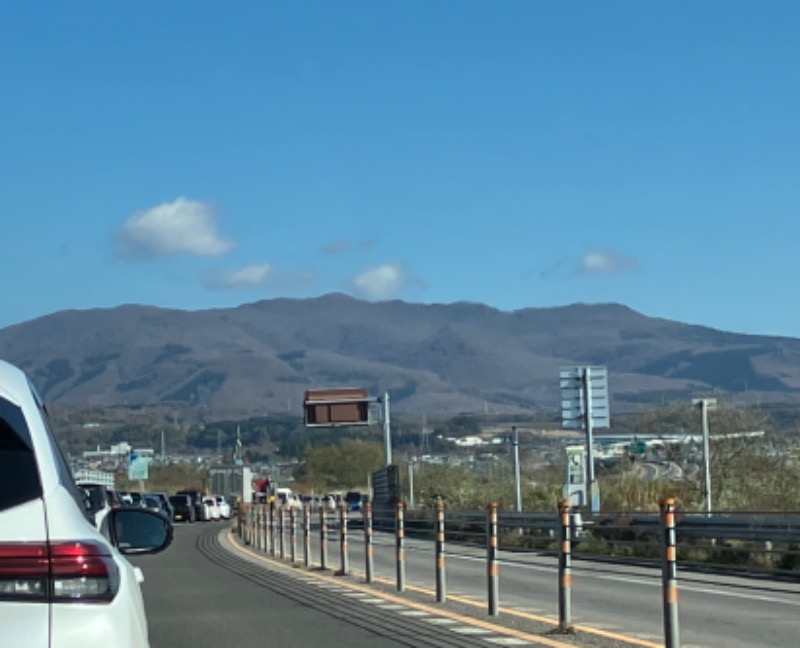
(59, 572)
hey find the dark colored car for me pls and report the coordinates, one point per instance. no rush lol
(197, 501)
(166, 507)
(353, 499)
(182, 508)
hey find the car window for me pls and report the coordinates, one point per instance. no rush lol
(19, 474)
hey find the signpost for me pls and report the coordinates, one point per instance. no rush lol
(706, 404)
(584, 405)
(345, 407)
(138, 469)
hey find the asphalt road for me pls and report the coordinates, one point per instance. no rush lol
(201, 594)
(194, 602)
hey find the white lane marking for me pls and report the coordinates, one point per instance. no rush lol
(508, 641)
(633, 580)
(415, 613)
(472, 630)
(441, 621)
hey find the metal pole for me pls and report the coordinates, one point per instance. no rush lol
(400, 547)
(706, 454)
(306, 535)
(565, 570)
(271, 536)
(594, 492)
(293, 535)
(323, 538)
(387, 430)
(411, 484)
(441, 581)
(368, 548)
(669, 576)
(492, 573)
(517, 485)
(282, 530)
(344, 556)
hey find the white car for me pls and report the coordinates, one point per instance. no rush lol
(212, 508)
(224, 507)
(63, 582)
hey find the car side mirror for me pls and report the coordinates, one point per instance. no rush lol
(137, 531)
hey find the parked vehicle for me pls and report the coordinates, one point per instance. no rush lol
(63, 582)
(182, 508)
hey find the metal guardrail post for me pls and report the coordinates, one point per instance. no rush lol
(441, 582)
(323, 538)
(306, 535)
(292, 535)
(669, 578)
(368, 548)
(271, 536)
(565, 569)
(344, 555)
(400, 543)
(492, 573)
(282, 531)
(261, 528)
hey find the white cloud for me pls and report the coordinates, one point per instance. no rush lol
(606, 262)
(182, 226)
(247, 277)
(380, 282)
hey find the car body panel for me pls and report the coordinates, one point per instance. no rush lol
(57, 512)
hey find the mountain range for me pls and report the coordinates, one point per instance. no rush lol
(436, 358)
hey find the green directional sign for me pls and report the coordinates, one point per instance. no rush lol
(637, 448)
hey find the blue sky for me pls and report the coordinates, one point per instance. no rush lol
(521, 154)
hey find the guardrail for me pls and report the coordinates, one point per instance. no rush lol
(747, 542)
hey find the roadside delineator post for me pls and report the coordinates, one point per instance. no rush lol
(282, 530)
(492, 572)
(261, 528)
(306, 535)
(323, 538)
(669, 577)
(565, 570)
(441, 582)
(344, 555)
(293, 535)
(368, 548)
(400, 544)
(271, 535)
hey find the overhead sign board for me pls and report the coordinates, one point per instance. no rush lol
(336, 407)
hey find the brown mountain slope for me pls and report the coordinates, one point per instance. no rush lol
(437, 358)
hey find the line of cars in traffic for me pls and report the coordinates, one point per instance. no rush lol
(184, 506)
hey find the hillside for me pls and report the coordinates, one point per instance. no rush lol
(260, 357)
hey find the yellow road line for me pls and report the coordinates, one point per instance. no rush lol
(453, 615)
